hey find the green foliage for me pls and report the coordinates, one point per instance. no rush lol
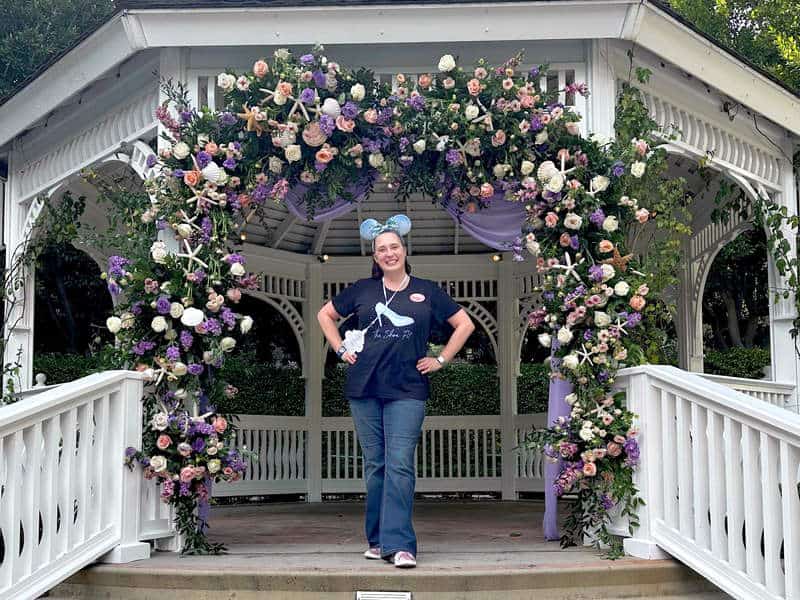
(61, 368)
(34, 31)
(738, 362)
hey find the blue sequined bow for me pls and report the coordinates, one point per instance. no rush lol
(371, 228)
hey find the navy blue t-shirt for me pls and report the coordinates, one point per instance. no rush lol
(387, 366)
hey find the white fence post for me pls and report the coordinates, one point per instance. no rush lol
(126, 426)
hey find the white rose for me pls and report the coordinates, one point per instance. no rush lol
(211, 450)
(419, 146)
(526, 168)
(293, 152)
(226, 81)
(541, 137)
(571, 361)
(158, 324)
(547, 170)
(599, 139)
(128, 320)
(564, 335)
(158, 463)
(243, 83)
(160, 421)
(175, 310)
(212, 172)
(555, 184)
(471, 111)
(545, 339)
(281, 54)
(227, 344)
(638, 168)
(192, 317)
(622, 288)
(608, 271)
(442, 143)
(179, 369)
(357, 92)
(202, 139)
(279, 99)
(246, 324)
(180, 150)
(158, 251)
(571, 398)
(376, 160)
(573, 221)
(208, 357)
(184, 230)
(499, 171)
(601, 319)
(600, 183)
(586, 435)
(447, 63)
(533, 247)
(275, 164)
(214, 465)
(113, 324)
(610, 224)
(237, 269)
(331, 108)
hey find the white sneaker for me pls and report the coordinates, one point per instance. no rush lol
(373, 554)
(404, 560)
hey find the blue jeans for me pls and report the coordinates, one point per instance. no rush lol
(388, 431)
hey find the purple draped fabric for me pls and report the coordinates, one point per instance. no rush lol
(296, 205)
(556, 407)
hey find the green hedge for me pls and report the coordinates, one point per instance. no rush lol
(458, 389)
(737, 362)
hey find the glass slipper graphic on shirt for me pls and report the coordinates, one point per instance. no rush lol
(397, 320)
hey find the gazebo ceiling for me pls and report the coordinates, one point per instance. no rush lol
(433, 231)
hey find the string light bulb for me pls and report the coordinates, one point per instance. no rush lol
(497, 257)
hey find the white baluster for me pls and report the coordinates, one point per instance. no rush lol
(772, 514)
(790, 461)
(734, 492)
(700, 475)
(753, 508)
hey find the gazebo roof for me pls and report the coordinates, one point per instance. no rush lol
(143, 24)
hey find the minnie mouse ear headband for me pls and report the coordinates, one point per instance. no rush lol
(370, 228)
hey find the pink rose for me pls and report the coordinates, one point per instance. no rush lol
(227, 471)
(356, 150)
(212, 148)
(642, 215)
(474, 87)
(614, 449)
(324, 155)
(643, 290)
(371, 115)
(163, 442)
(637, 302)
(526, 101)
(284, 88)
(508, 83)
(487, 190)
(449, 83)
(472, 208)
(345, 124)
(313, 135)
(234, 294)
(641, 147)
(481, 73)
(424, 81)
(607, 419)
(551, 219)
(187, 474)
(499, 138)
(563, 154)
(220, 424)
(619, 439)
(599, 453)
(574, 184)
(524, 126)
(307, 76)
(589, 469)
(564, 240)
(573, 128)
(545, 118)
(260, 68)
(605, 246)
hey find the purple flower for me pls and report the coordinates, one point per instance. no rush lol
(259, 193)
(195, 369)
(136, 308)
(633, 319)
(320, 166)
(606, 501)
(234, 257)
(227, 118)
(587, 335)
(453, 157)
(534, 72)
(319, 79)
(162, 305)
(307, 96)
(536, 123)
(198, 444)
(203, 158)
(140, 348)
(113, 288)
(207, 226)
(212, 326)
(596, 273)
(307, 59)
(603, 376)
(116, 266)
(350, 110)
(618, 169)
(186, 339)
(151, 161)
(161, 224)
(597, 217)
(327, 124)
(173, 352)
(228, 317)
(186, 116)
(199, 276)
(416, 102)
(574, 242)
(184, 489)
(384, 116)
(549, 296)
(178, 173)
(229, 163)
(130, 451)
(631, 447)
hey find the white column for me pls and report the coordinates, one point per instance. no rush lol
(601, 106)
(785, 364)
(508, 346)
(313, 370)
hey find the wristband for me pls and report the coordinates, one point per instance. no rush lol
(340, 352)
(441, 360)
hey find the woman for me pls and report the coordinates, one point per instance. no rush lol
(387, 383)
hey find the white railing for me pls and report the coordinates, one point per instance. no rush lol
(455, 453)
(65, 498)
(773, 392)
(719, 473)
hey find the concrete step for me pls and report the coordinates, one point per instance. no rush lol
(334, 577)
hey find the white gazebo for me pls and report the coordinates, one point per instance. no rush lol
(94, 107)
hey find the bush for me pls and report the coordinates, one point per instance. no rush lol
(459, 389)
(737, 362)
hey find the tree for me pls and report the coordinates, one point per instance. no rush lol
(34, 31)
(766, 32)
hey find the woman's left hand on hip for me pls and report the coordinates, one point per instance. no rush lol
(428, 365)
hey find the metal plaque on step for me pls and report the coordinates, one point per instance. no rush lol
(383, 595)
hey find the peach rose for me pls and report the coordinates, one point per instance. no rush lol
(637, 302)
(345, 124)
(481, 73)
(642, 290)
(487, 190)
(400, 78)
(371, 115)
(642, 215)
(599, 453)
(449, 83)
(474, 87)
(220, 424)
(191, 178)
(589, 469)
(508, 83)
(564, 240)
(605, 246)
(187, 474)
(212, 148)
(285, 88)
(356, 150)
(163, 442)
(260, 68)
(471, 207)
(313, 135)
(551, 219)
(234, 294)
(499, 138)
(614, 449)
(324, 155)
(526, 101)
(424, 81)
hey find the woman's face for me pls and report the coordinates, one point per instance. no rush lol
(390, 254)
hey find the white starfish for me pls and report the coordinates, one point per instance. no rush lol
(191, 255)
(270, 94)
(485, 116)
(620, 326)
(584, 354)
(569, 267)
(190, 221)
